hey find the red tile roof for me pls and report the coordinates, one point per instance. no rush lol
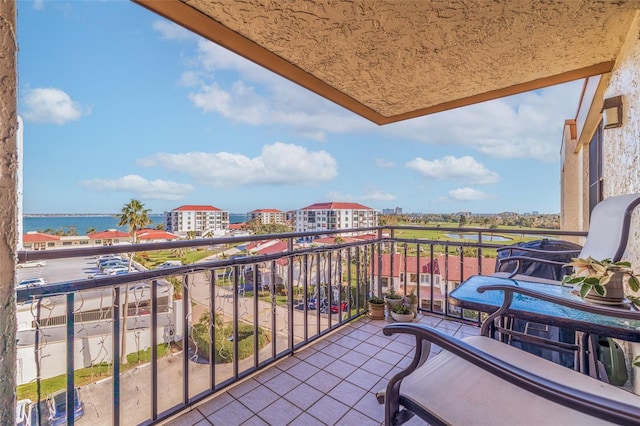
(154, 234)
(336, 206)
(278, 247)
(111, 233)
(267, 211)
(36, 237)
(237, 225)
(196, 208)
(449, 269)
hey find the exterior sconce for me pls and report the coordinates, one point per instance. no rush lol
(612, 112)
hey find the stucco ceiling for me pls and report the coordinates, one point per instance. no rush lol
(390, 60)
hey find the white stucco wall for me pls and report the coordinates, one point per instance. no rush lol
(621, 148)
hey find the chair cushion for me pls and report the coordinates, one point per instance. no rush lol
(460, 393)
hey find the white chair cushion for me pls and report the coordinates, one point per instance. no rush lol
(463, 394)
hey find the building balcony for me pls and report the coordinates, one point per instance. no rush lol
(268, 338)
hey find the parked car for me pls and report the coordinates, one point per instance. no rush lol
(111, 264)
(32, 282)
(169, 264)
(107, 257)
(335, 308)
(53, 410)
(118, 269)
(32, 264)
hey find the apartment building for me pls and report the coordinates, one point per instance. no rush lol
(333, 216)
(205, 221)
(267, 216)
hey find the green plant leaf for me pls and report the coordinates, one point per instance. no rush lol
(592, 281)
(604, 280)
(575, 280)
(584, 289)
(636, 361)
(623, 263)
(601, 290)
(634, 284)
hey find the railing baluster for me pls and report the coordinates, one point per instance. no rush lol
(154, 349)
(212, 330)
(71, 324)
(256, 325)
(116, 354)
(185, 340)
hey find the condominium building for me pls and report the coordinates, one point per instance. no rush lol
(204, 221)
(333, 216)
(267, 216)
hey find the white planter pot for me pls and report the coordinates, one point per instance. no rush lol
(401, 317)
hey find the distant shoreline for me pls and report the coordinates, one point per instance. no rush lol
(74, 214)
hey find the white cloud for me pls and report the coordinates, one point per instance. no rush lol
(528, 125)
(49, 105)
(371, 194)
(157, 189)
(463, 169)
(170, 31)
(277, 164)
(385, 164)
(468, 194)
(377, 195)
(261, 97)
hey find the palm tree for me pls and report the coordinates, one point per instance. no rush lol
(134, 216)
(90, 230)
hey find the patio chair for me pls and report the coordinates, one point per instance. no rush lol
(482, 381)
(606, 239)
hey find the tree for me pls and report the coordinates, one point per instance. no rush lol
(90, 231)
(134, 216)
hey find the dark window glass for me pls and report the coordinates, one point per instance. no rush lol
(595, 169)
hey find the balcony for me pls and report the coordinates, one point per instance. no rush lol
(317, 361)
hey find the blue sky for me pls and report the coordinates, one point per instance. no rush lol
(118, 103)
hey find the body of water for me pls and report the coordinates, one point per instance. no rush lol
(99, 223)
(474, 237)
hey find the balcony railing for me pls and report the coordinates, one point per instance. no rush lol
(146, 345)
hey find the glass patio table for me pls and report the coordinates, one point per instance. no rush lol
(555, 305)
(618, 322)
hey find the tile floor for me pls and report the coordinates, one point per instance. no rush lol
(331, 382)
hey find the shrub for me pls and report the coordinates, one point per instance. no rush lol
(223, 345)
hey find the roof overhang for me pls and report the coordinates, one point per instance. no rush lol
(390, 60)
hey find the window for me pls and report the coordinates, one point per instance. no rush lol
(595, 169)
(51, 244)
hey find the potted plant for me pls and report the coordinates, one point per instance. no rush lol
(393, 299)
(411, 301)
(376, 307)
(401, 313)
(601, 281)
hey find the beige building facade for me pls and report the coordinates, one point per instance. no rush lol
(598, 163)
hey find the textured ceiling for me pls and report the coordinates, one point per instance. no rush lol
(389, 60)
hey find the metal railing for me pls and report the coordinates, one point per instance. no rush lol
(192, 330)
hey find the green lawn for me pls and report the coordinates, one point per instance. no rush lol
(151, 259)
(85, 376)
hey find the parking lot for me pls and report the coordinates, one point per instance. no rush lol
(59, 270)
